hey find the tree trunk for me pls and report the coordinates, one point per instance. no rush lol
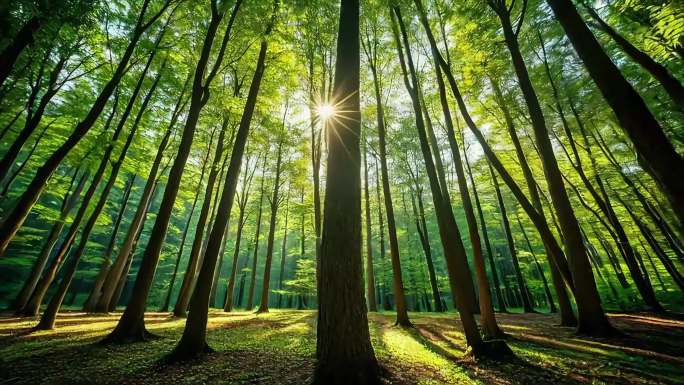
(181, 247)
(33, 305)
(343, 349)
(67, 206)
(116, 272)
(252, 281)
(592, 319)
(131, 326)
(275, 203)
(457, 265)
(421, 226)
(654, 150)
(47, 321)
(505, 224)
(96, 291)
(283, 249)
(188, 285)
(386, 304)
(487, 317)
(370, 270)
(193, 342)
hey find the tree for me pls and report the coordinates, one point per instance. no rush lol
(341, 304)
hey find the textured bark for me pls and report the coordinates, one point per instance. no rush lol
(15, 218)
(131, 326)
(193, 342)
(654, 150)
(343, 349)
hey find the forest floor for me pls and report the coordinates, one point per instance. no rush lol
(279, 347)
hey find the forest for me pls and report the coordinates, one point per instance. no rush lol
(337, 192)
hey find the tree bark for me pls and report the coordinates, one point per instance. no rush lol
(23, 38)
(343, 349)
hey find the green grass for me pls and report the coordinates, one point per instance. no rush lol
(279, 348)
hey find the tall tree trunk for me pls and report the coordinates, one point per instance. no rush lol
(15, 218)
(68, 205)
(32, 307)
(370, 271)
(505, 224)
(252, 281)
(386, 304)
(242, 219)
(181, 247)
(485, 234)
(487, 317)
(96, 291)
(592, 318)
(457, 265)
(344, 357)
(188, 285)
(193, 342)
(275, 203)
(283, 249)
(602, 200)
(47, 321)
(421, 226)
(564, 302)
(654, 150)
(131, 326)
(116, 272)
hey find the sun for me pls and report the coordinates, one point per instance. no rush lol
(325, 111)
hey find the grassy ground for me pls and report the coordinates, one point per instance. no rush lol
(278, 348)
